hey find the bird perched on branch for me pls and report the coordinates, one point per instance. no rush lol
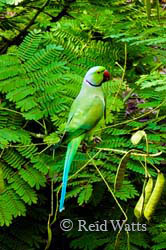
(86, 111)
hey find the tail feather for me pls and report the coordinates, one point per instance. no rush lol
(71, 151)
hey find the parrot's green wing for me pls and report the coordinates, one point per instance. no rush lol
(84, 117)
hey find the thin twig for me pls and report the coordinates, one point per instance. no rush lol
(117, 202)
(17, 112)
(50, 214)
(132, 153)
(136, 118)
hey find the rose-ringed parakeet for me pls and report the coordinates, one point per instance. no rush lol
(86, 111)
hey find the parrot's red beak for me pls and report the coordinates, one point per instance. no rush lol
(106, 76)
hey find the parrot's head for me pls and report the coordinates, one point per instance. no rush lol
(96, 76)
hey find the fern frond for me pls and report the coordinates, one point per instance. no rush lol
(26, 193)
(33, 177)
(13, 158)
(29, 45)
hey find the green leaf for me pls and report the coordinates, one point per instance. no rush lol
(85, 194)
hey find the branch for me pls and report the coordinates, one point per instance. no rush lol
(38, 135)
(48, 14)
(17, 39)
(63, 11)
(24, 31)
(136, 153)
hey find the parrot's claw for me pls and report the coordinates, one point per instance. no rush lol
(97, 139)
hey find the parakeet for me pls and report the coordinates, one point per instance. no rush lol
(86, 111)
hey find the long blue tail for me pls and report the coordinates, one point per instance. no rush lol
(71, 151)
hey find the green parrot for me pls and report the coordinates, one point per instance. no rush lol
(86, 111)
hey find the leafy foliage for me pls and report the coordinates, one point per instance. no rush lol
(39, 80)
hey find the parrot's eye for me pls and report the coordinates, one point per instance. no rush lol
(99, 72)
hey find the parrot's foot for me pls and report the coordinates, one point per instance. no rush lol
(55, 146)
(97, 139)
(84, 147)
